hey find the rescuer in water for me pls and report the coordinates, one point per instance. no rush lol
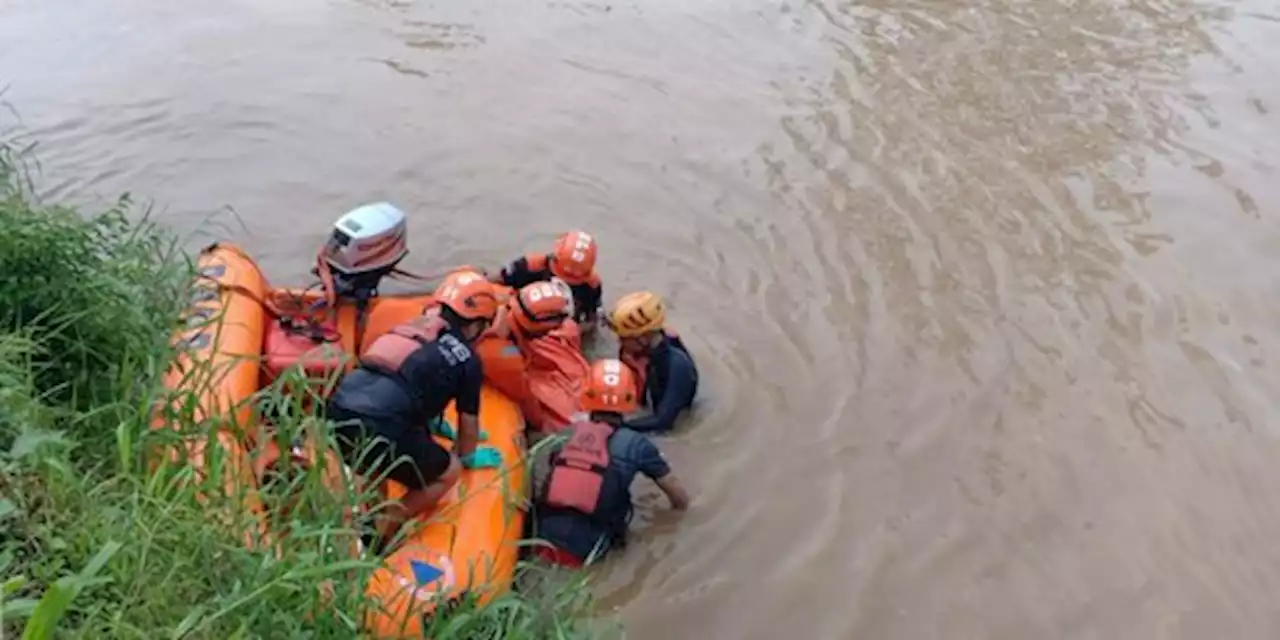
(583, 506)
(667, 376)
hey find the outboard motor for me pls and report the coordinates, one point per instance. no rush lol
(367, 244)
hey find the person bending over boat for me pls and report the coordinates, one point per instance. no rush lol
(582, 506)
(534, 311)
(403, 383)
(572, 259)
(668, 377)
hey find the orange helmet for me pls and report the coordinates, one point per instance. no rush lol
(611, 386)
(469, 295)
(539, 307)
(452, 277)
(574, 257)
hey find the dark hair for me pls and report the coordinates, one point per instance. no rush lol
(454, 320)
(611, 418)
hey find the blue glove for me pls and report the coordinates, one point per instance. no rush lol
(483, 458)
(444, 429)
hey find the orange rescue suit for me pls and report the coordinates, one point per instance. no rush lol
(504, 370)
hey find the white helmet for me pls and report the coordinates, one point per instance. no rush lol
(567, 290)
(367, 239)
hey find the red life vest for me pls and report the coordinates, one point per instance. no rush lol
(388, 353)
(577, 469)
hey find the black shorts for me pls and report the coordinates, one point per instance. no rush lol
(376, 448)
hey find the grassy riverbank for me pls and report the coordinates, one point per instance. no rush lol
(95, 544)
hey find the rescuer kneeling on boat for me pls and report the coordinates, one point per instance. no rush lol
(404, 381)
(573, 259)
(532, 312)
(668, 378)
(583, 507)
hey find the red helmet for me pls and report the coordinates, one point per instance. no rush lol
(538, 308)
(611, 386)
(574, 257)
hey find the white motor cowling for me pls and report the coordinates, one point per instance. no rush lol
(367, 243)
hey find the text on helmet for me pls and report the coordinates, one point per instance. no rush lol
(612, 372)
(580, 247)
(544, 291)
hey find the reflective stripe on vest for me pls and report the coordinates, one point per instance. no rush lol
(388, 353)
(577, 469)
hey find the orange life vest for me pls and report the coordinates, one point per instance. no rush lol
(540, 264)
(388, 353)
(577, 473)
(504, 370)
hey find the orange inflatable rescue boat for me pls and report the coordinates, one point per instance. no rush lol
(242, 334)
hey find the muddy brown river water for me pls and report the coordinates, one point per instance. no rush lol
(986, 293)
